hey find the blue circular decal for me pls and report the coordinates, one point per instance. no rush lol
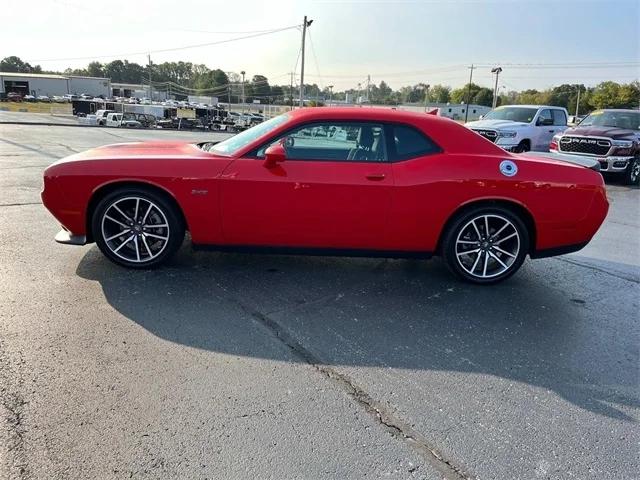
(508, 168)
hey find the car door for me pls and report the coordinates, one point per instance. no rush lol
(544, 131)
(332, 191)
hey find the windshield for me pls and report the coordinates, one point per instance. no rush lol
(514, 114)
(601, 118)
(231, 145)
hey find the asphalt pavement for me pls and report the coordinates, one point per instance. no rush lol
(254, 366)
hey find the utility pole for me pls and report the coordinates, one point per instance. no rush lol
(497, 71)
(150, 91)
(578, 103)
(426, 95)
(330, 87)
(243, 98)
(368, 83)
(466, 110)
(291, 93)
(359, 97)
(306, 23)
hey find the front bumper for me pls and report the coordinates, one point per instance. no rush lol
(614, 164)
(510, 144)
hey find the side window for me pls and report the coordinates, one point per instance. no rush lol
(545, 117)
(559, 118)
(409, 142)
(334, 141)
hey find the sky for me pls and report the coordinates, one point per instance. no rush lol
(538, 43)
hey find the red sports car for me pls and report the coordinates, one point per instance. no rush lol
(331, 181)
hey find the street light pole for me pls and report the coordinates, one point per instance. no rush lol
(497, 71)
(578, 103)
(330, 87)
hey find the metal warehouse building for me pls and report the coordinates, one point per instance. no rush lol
(49, 84)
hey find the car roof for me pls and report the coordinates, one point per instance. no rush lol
(630, 110)
(533, 106)
(364, 113)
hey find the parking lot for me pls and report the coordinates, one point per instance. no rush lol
(252, 366)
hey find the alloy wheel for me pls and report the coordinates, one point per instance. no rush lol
(635, 171)
(135, 229)
(487, 246)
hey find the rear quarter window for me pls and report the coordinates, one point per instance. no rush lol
(407, 142)
(559, 117)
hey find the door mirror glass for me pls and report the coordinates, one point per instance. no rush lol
(274, 154)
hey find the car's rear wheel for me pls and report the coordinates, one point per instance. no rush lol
(632, 174)
(137, 228)
(486, 244)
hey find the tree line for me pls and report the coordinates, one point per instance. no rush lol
(186, 78)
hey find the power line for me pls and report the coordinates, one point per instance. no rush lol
(315, 60)
(173, 49)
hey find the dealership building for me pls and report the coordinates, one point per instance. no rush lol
(50, 84)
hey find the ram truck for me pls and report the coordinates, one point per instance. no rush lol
(521, 128)
(612, 137)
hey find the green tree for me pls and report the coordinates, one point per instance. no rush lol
(260, 87)
(459, 95)
(484, 96)
(94, 69)
(15, 64)
(439, 94)
(124, 72)
(613, 95)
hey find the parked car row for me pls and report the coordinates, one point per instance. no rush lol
(611, 136)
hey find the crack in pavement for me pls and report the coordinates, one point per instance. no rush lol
(11, 408)
(31, 149)
(599, 269)
(19, 204)
(396, 427)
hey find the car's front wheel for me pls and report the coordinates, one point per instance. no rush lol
(137, 228)
(632, 174)
(486, 244)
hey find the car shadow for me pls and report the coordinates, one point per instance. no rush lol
(541, 328)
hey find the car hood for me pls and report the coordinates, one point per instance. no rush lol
(139, 150)
(600, 131)
(495, 124)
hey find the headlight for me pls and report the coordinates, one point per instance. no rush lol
(622, 143)
(506, 134)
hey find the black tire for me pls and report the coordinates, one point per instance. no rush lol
(145, 249)
(632, 174)
(460, 237)
(522, 147)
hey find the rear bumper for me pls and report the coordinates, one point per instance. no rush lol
(67, 238)
(552, 252)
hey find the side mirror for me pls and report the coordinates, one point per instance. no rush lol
(545, 121)
(274, 154)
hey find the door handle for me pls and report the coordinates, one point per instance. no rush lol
(551, 131)
(375, 176)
